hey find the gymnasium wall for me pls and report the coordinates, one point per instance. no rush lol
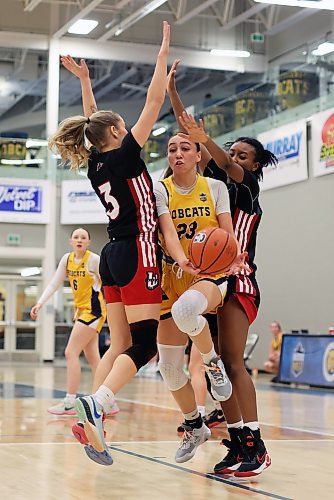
(294, 257)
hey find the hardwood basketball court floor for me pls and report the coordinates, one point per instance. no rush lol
(40, 459)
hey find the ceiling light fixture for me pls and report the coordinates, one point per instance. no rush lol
(229, 53)
(159, 131)
(30, 271)
(307, 4)
(323, 49)
(82, 27)
(36, 143)
(133, 18)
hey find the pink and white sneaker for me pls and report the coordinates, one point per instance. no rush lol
(66, 407)
(113, 410)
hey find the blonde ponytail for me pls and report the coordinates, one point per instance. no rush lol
(69, 142)
(70, 139)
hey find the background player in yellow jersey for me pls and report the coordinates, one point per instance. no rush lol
(81, 267)
(186, 203)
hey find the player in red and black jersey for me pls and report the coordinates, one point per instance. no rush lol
(246, 215)
(241, 170)
(129, 269)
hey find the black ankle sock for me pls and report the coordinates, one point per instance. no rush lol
(196, 423)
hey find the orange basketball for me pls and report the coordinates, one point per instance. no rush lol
(213, 250)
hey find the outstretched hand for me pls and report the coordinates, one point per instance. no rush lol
(240, 265)
(195, 132)
(171, 87)
(164, 49)
(80, 70)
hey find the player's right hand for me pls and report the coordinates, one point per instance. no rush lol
(188, 267)
(34, 311)
(79, 70)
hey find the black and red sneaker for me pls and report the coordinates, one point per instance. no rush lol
(180, 429)
(216, 417)
(232, 461)
(256, 456)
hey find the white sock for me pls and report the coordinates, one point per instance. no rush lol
(191, 415)
(201, 410)
(236, 425)
(217, 405)
(104, 396)
(71, 396)
(209, 356)
(253, 426)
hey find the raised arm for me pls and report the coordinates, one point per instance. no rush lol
(81, 71)
(197, 133)
(179, 108)
(155, 94)
(174, 97)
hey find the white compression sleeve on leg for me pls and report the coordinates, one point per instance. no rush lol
(171, 366)
(187, 312)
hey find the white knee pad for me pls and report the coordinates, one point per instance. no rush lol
(187, 310)
(171, 366)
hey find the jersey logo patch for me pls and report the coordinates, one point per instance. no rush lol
(152, 280)
(199, 238)
(202, 197)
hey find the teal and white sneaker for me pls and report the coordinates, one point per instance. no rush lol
(191, 439)
(90, 413)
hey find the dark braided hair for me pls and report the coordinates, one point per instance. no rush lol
(263, 156)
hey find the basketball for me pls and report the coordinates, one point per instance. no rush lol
(213, 250)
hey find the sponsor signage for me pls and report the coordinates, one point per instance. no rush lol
(24, 200)
(307, 359)
(80, 205)
(289, 144)
(12, 149)
(322, 127)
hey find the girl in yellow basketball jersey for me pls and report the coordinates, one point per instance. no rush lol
(187, 203)
(81, 267)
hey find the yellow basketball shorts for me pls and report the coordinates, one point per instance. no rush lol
(173, 286)
(86, 317)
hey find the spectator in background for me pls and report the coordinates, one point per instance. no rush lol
(272, 365)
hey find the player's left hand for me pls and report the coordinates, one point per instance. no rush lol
(195, 131)
(240, 265)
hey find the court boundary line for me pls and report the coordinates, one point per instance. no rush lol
(119, 443)
(298, 429)
(212, 477)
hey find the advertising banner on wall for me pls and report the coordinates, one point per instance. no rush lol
(322, 146)
(307, 359)
(289, 144)
(80, 205)
(24, 201)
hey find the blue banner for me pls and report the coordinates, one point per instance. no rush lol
(307, 359)
(20, 198)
